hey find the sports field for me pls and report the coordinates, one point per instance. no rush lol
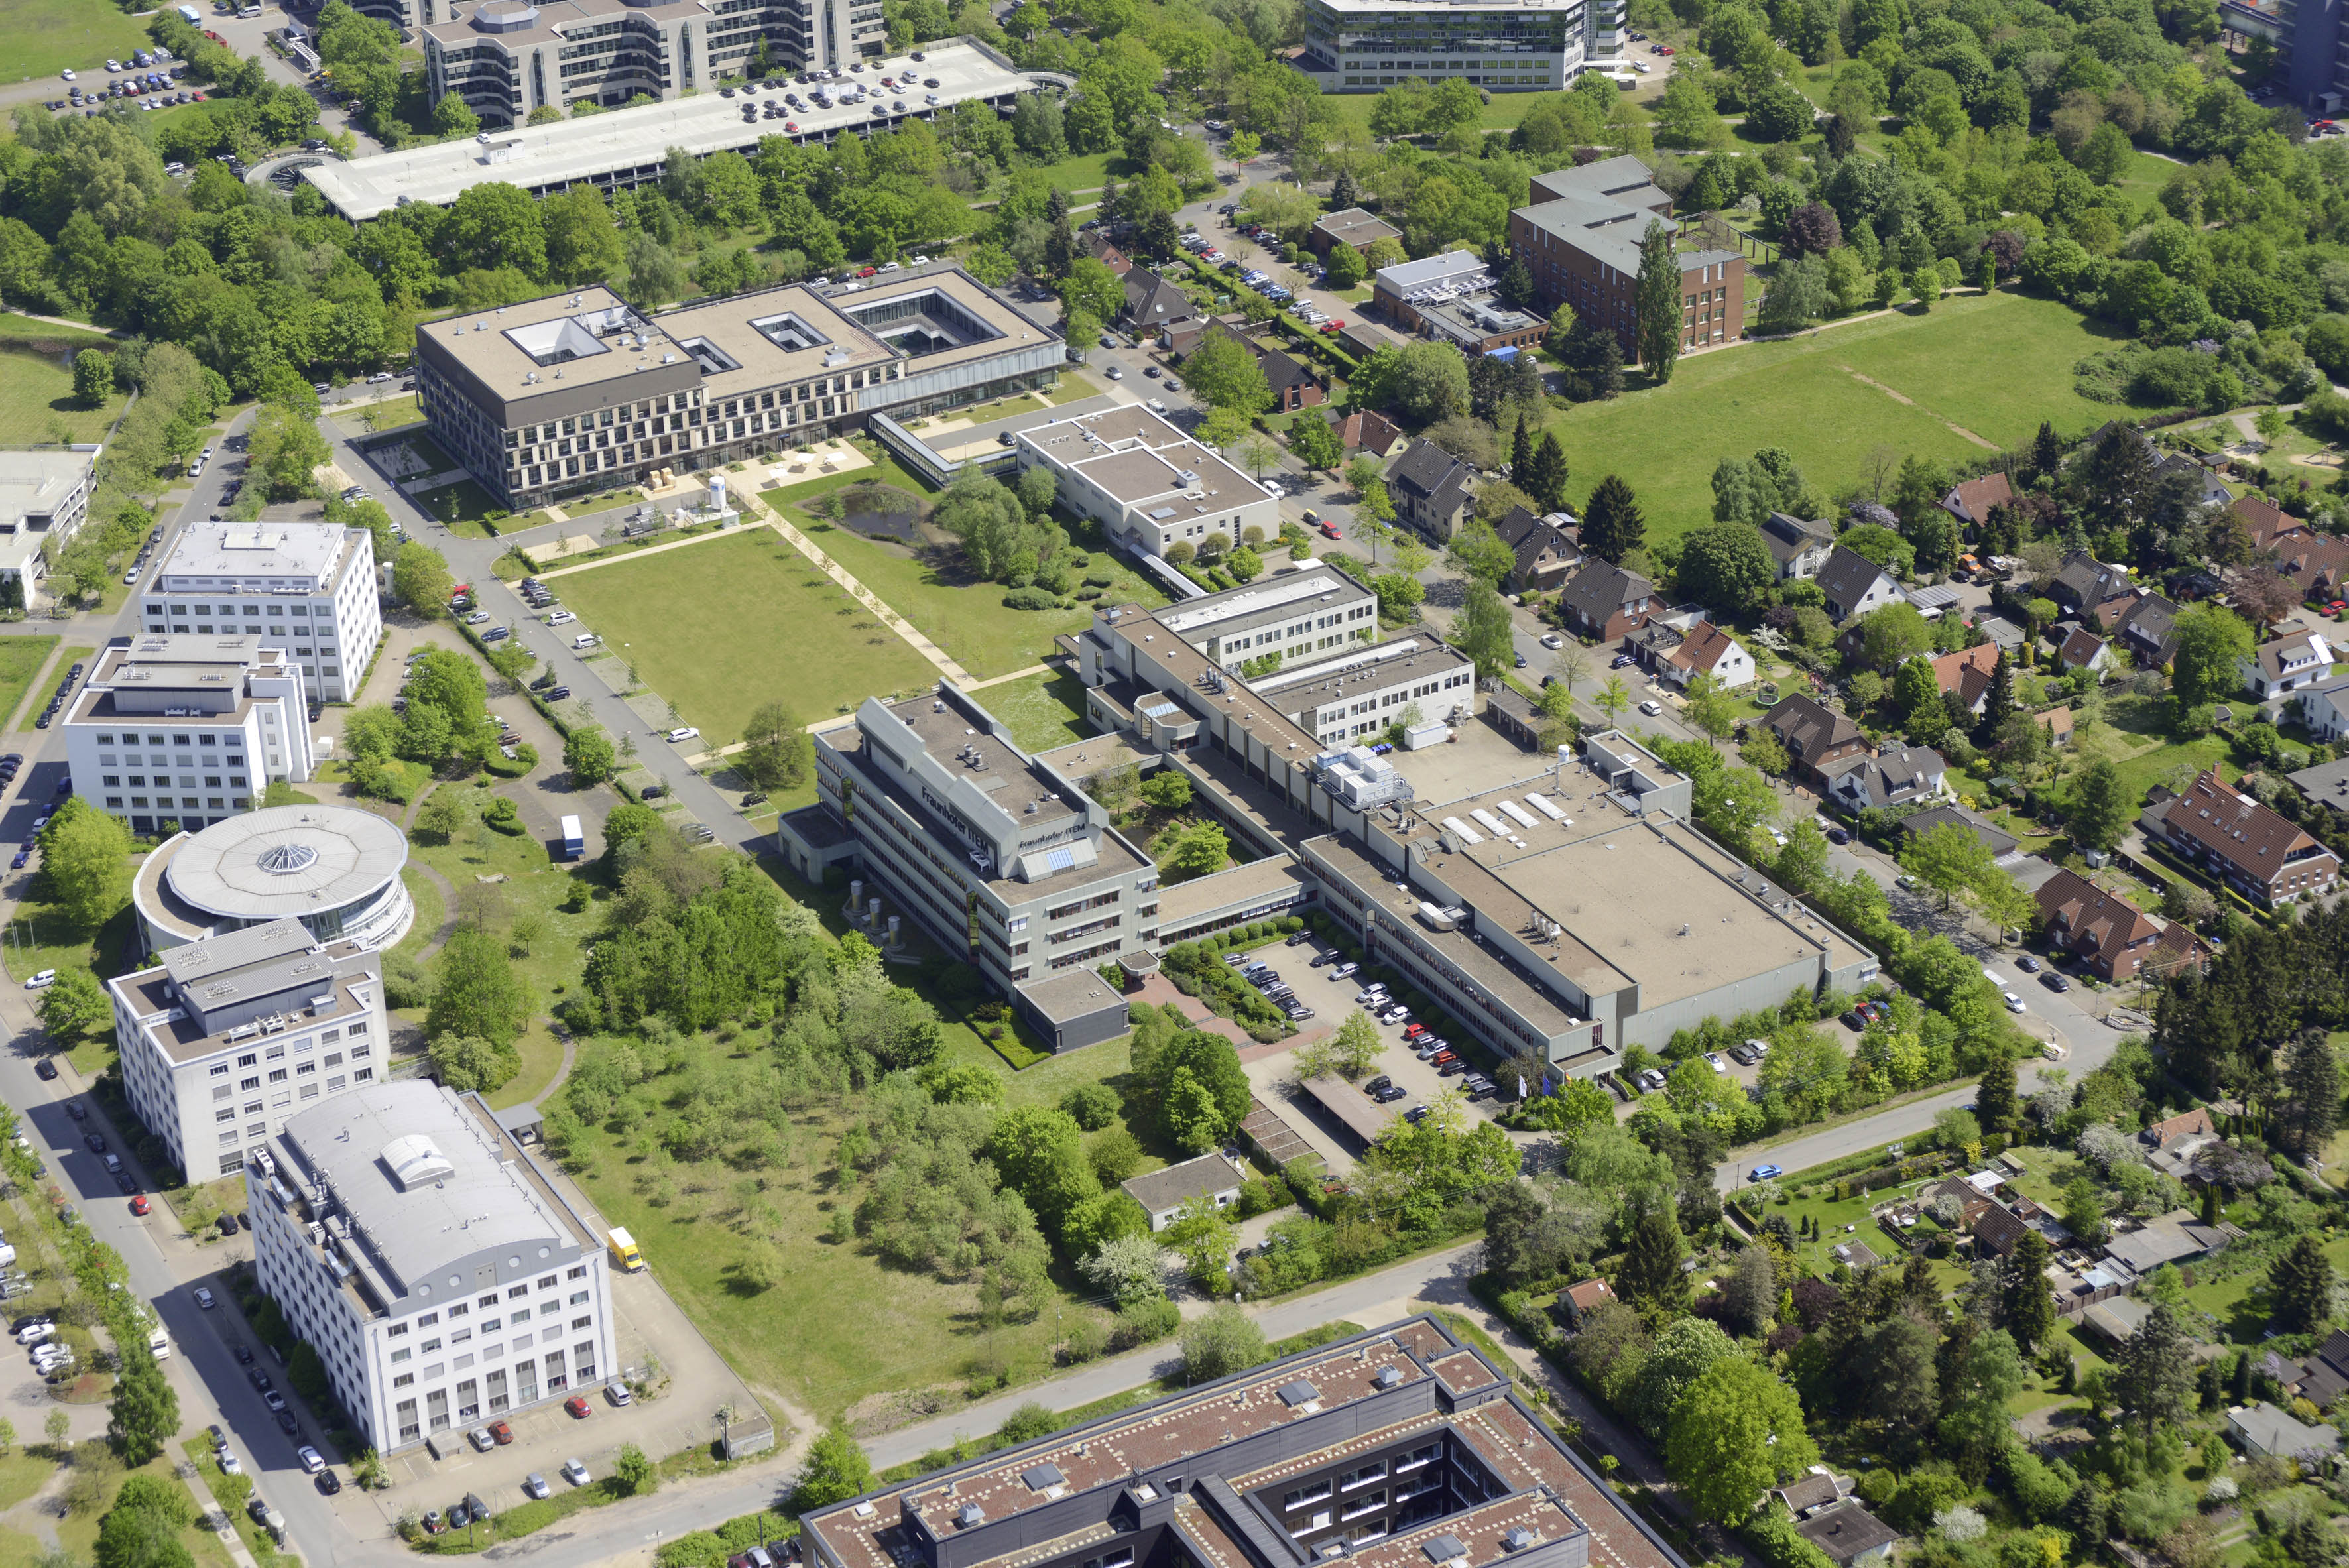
(722, 627)
(1994, 366)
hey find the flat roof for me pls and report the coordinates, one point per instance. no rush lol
(1422, 655)
(1428, 272)
(151, 995)
(232, 554)
(284, 861)
(1251, 884)
(1261, 602)
(38, 482)
(550, 158)
(1072, 993)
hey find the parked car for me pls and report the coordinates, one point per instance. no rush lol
(1765, 1173)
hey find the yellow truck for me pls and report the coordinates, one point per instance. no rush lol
(624, 1252)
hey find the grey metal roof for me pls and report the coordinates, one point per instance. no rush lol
(1159, 1190)
(479, 1205)
(286, 860)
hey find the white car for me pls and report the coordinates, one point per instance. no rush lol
(46, 977)
(67, 75)
(1553, 641)
(560, 617)
(686, 732)
(534, 1485)
(574, 1472)
(1651, 708)
(1272, 487)
(313, 1461)
(33, 1333)
(586, 640)
(379, 376)
(2014, 1002)
(229, 1463)
(1116, 374)
(1713, 1060)
(205, 1298)
(477, 617)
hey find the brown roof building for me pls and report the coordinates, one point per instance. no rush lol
(1098, 247)
(2195, 1123)
(1369, 431)
(1815, 737)
(1967, 673)
(2247, 846)
(1997, 1233)
(1971, 501)
(2109, 934)
(2266, 522)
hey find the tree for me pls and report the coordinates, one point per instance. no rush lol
(1709, 707)
(1726, 565)
(2100, 808)
(453, 117)
(1477, 552)
(85, 862)
(777, 753)
(2027, 1306)
(1612, 699)
(1994, 1103)
(1197, 849)
(1751, 1291)
(74, 1004)
(1649, 1276)
(1482, 630)
(1225, 373)
(1221, 1342)
(2300, 1287)
(1737, 1432)
(284, 449)
(1656, 299)
(1357, 1047)
(420, 577)
(466, 1062)
(2212, 641)
(478, 991)
(1949, 858)
(2084, 1211)
(145, 1413)
(2309, 1109)
(1039, 1154)
(2153, 1378)
(93, 376)
(588, 756)
(1313, 443)
(1611, 524)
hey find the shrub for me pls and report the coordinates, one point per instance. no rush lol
(1144, 1321)
(1093, 1106)
(1028, 1423)
(1030, 599)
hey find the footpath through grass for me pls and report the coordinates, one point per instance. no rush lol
(1995, 365)
(720, 627)
(20, 661)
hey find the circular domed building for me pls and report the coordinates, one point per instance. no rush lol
(333, 867)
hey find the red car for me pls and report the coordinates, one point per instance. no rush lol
(868, 272)
(139, 1205)
(791, 126)
(501, 1432)
(1664, 48)
(579, 1408)
(1329, 530)
(199, 98)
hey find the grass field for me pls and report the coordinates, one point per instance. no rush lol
(1995, 365)
(16, 329)
(20, 660)
(37, 406)
(1043, 711)
(461, 506)
(48, 36)
(720, 628)
(386, 416)
(541, 1058)
(66, 661)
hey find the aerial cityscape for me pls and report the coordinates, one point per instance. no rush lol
(1174, 783)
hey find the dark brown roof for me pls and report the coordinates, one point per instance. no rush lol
(2234, 827)
(2080, 649)
(1998, 1231)
(2264, 520)
(2088, 920)
(1808, 729)
(1971, 502)
(1602, 590)
(1846, 1531)
(1369, 428)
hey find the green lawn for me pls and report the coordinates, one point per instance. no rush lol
(720, 627)
(38, 699)
(386, 416)
(20, 660)
(541, 1058)
(461, 506)
(37, 406)
(48, 36)
(16, 329)
(1996, 366)
(1043, 711)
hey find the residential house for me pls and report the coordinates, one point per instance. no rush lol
(2210, 492)
(1849, 1535)
(1854, 584)
(2263, 522)
(1968, 673)
(1997, 1233)
(1369, 431)
(1097, 245)
(1919, 823)
(2113, 938)
(2058, 723)
(1971, 502)
(1433, 490)
(2324, 708)
(1165, 1195)
(2083, 582)
(2316, 563)
(1707, 650)
(2147, 626)
(2195, 1123)
(1817, 737)
(1818, 1488)
(1351, 227)
(1153, 304)
(1293, 385)
(2177, 1237)
(1898, 777)
(2322, 1375)
(1605, 603)
(2288, 664)
(1547, 553)
(2082, 649)
(2243, 843)
(2262, 1431)
(1576, 1302)
(1798, 545)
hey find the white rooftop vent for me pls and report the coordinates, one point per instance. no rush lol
(416, 1159)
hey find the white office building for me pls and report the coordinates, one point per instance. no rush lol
(336, 869)
(44, 497)
(306, 587)
(1501, 46)
(1147, 484)
(187, 730)
(224, 1039)
(420, 1249)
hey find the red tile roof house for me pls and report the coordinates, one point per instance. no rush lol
(2255, 852)
(1816, 737)
(1576, 1302)
(1369, 431)
(2186, 1124)
(1097, 246)
(1605, 602)
(2265, 523)
(2111, 935)
(1971, 502)
(2314, 561)
(1707, 650)
(2287, 664)
(1967, 673)
(2083, 650)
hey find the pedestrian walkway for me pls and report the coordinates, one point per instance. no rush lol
(904, 629)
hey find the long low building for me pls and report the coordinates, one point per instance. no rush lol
(623, 148)
(582, 392)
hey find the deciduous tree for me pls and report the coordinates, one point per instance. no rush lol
(1737, 1432)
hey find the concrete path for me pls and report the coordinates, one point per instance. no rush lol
(904, 629)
